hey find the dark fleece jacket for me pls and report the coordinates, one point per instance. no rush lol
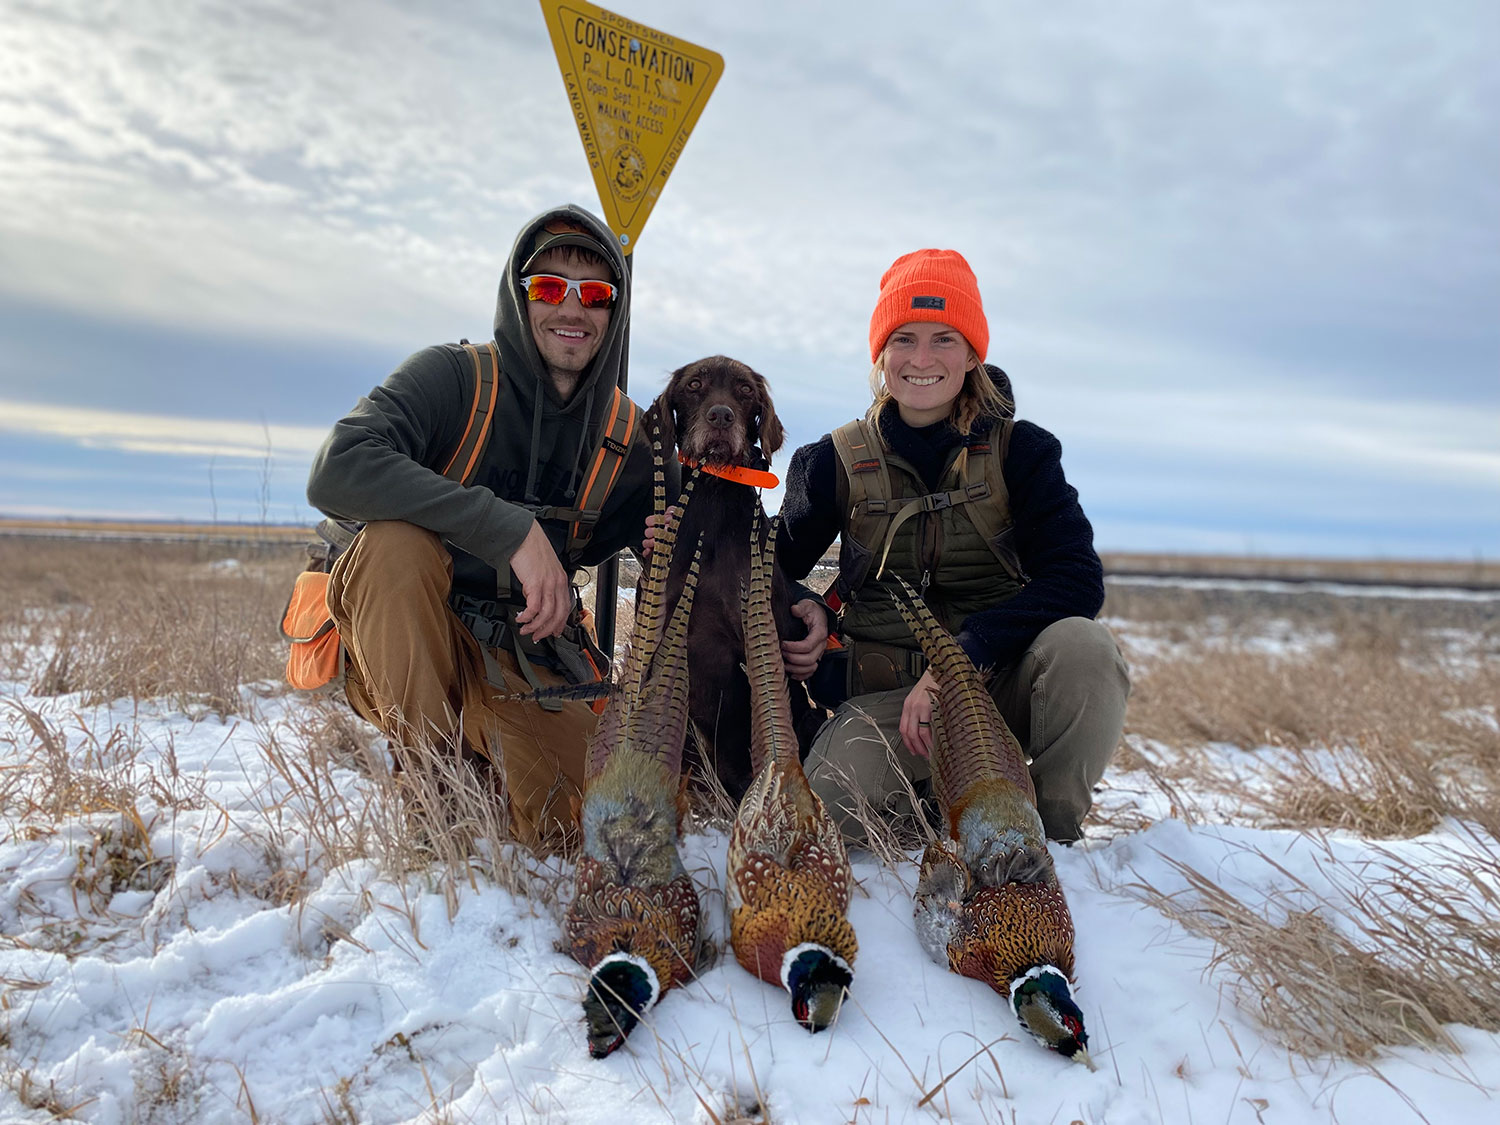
(1053, 536)
(384, 460)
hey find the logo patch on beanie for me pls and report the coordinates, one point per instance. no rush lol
(939, 303)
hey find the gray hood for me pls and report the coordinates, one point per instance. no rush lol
(537, 406)
(518, 352)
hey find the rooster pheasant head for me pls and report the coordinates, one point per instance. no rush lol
(1043, 1001)
(818, 980)
(621, 987)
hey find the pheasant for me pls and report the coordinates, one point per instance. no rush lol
(788, 887)
(988, 903)
(633, 922)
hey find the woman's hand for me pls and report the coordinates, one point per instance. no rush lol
(654, 522)
(916, 716)
(801, 657)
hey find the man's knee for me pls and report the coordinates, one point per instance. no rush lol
(394, 553)
(392, 563)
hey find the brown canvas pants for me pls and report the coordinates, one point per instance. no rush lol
(418, 674)
(1064, 700)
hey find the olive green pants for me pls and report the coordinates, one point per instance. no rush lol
(1064, 700)
(417, 673)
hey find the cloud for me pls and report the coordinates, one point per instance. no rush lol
(1163, 165)
(161, 434)
(1217, 243)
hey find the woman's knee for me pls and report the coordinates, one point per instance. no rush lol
(842, 760)
(1085, 648)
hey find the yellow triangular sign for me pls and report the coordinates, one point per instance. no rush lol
(636, 94)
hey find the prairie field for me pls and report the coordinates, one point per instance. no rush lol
(219, 906)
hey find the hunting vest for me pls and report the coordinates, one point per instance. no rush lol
(955, 546)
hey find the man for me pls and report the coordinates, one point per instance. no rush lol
(453, 596)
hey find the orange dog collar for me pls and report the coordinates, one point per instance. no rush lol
(755, 478)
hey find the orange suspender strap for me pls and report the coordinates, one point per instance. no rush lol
(465, 458)
(605, 470)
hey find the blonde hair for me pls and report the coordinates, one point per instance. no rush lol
(978, 396)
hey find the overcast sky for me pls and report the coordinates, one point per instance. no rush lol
(1243, 258)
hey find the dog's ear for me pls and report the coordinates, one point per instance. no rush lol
(663, 417)
(772, 436)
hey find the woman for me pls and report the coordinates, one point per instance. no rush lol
(939, 486)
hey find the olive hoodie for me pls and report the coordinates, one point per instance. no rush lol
(384, 459)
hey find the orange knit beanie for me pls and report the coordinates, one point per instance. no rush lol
(933, 285)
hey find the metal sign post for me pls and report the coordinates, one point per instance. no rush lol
(636, 94)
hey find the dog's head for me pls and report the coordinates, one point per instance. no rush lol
(717, 410)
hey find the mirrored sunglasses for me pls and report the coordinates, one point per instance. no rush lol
(553, 290)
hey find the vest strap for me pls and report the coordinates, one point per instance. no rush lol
(873, 515)
(932, 502)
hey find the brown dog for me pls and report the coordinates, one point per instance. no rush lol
(718, 413)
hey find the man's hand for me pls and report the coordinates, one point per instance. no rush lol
(801, 657)
(916, 716)
(549, 597)
(653, 522)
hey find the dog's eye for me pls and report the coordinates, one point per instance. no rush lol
(745, 390)
(694, 384)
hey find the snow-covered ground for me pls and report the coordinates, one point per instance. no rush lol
(214, 969)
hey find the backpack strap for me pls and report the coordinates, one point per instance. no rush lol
(337, 536)
(604, 470)
(865, 494)
(985, 466)
(599, 481)
(471, 446)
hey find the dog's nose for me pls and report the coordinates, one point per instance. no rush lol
(721, 417)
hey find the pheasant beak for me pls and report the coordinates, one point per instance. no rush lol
(604, 1047)
(1082, 1056)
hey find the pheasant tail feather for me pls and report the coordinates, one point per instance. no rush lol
(617, 726)
(661, 712)
(772, 735)
(977, 744)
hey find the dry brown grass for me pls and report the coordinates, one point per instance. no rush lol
(86, 530)
(1386, 960)
(1376, 721)
(188, 622)
(1424, 572)
(442, 821)
(1378, 728)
